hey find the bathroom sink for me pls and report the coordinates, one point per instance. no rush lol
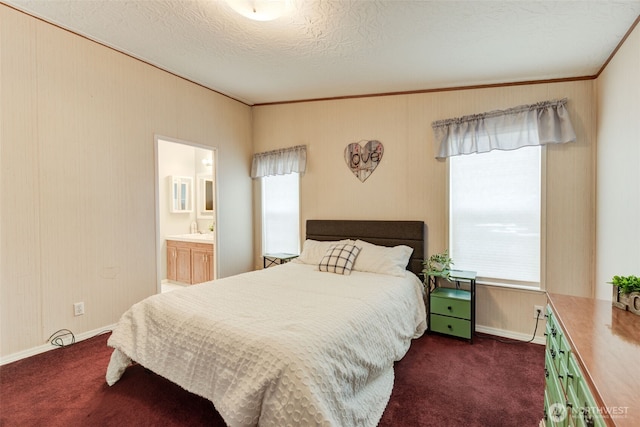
(193, 237)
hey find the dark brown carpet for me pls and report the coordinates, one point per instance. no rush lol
(440, 382)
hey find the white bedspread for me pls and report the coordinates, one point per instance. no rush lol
(283, 346)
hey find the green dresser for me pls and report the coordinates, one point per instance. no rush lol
(452, 309)
(567, 398)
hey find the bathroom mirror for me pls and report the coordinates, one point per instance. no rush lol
(181, 194)
(206, 196)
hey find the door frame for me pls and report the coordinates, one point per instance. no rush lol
(157, 185)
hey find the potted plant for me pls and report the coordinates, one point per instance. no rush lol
(626, 293)
(438, 265)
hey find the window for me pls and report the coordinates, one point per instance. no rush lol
(281, 214)
(494, 215)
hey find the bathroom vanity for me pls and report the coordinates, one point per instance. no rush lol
(190, 258)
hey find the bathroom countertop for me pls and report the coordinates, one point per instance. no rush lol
(193, 238)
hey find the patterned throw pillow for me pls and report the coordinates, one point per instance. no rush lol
(339, 259)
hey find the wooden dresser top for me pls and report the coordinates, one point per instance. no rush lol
(606, 342)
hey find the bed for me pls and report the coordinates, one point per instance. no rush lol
(292, 344)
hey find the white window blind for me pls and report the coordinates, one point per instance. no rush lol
(494, 215)
(281, 214)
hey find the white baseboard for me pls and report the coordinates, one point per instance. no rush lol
(509, 334)
(46, 347)
(90, 334)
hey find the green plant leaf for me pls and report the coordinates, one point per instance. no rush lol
(437, 265)
(626, 284)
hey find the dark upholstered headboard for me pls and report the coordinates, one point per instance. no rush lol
(384, 233)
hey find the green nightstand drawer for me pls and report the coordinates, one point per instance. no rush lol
(451, 302)
(451, 326)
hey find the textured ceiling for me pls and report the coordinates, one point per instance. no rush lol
(335, 48)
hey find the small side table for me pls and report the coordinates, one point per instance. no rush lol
(452, 310)
(269, 260)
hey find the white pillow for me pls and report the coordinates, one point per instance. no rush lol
(314, 250)
(382, 259)
(339, 259)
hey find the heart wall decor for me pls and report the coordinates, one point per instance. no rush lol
(363, 160)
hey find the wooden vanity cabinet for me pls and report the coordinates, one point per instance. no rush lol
(188, 262)
(178, 262)
(201, 263)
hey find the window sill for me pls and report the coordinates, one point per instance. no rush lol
(514, 286)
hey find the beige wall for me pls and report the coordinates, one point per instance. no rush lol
(78, 177)
(618, 93)
(410, 184)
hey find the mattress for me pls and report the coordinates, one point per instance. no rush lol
(287, 345)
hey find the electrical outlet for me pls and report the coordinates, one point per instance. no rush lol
(538, 309)
(78, 309)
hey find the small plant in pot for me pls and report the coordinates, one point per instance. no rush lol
(627, 293)
(438, 265)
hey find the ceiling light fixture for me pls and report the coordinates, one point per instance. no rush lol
(260, 10)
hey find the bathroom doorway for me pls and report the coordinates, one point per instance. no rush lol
(186, 211)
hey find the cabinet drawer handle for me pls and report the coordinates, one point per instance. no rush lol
(449, 326)
(449, 308)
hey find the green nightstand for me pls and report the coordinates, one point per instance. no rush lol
(452, 310)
